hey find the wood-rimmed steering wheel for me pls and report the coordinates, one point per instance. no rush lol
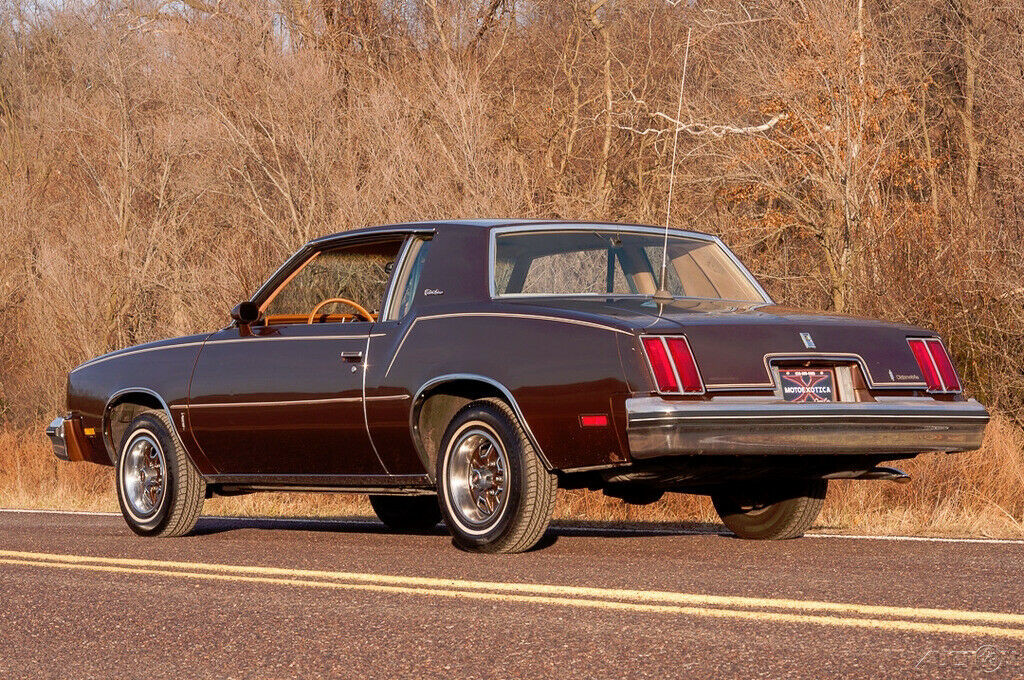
(362, 311)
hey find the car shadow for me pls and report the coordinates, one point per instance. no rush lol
(361, 525)
(368, 525)
(604, 529)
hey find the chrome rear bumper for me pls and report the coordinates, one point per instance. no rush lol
(55, 431)
(657, 427)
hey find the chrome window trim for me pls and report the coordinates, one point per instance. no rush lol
(406, 259)
(385, 310)
(636, 229)
(329, 242)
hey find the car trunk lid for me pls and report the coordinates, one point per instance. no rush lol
(734, 343)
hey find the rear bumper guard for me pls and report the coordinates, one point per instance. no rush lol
(657, 427)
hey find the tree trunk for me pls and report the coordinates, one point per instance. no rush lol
(972, 49)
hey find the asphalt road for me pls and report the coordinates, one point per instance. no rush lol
(80, 596)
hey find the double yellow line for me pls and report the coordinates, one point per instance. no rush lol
(911, 619)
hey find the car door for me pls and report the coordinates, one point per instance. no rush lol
(284, 397)
(388, 396)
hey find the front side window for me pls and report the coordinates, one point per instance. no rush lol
(409, 279)
(606, 262)
(356, 274)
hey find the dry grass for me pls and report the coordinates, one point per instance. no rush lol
(975, 494)
(158, 160)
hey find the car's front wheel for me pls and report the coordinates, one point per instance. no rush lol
(160, 491)
(495, 493)
(779, 511)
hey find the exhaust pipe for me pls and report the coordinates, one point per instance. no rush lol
(878, 472)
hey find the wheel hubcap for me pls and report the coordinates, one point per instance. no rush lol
(144, 475)
(477, 476)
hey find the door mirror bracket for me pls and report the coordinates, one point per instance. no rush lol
(245, 313)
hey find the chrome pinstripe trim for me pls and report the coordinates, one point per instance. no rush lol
(838, 356)
(295, 402)
(357, 336)
(538, 317)
(285, 402)
(366, 414)
(129, 352)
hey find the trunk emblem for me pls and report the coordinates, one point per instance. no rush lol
(808, 340)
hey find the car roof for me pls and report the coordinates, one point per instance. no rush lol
(488, 223)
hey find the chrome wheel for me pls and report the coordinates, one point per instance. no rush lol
(144, 473)
(477, 476)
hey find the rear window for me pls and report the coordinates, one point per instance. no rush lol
(616, 263)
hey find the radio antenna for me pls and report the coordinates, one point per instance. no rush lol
(662, 295)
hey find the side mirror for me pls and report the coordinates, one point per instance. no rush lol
(245, 313)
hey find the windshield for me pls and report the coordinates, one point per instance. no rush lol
(606, 262)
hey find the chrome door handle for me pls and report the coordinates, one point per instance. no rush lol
(352, 356)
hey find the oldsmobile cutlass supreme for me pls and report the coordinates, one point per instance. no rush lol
(463, 370)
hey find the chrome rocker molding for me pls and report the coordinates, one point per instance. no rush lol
(657, 427)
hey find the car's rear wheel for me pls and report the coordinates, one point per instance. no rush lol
(160, 492)
(493, 490)
(781, 511)
(407, 513)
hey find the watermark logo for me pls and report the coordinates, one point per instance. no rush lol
(985, 659)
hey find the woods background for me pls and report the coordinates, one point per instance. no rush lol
(159, 160)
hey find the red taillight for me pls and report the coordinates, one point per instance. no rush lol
(672, 363)
(939, 374)
(946, 371)
(664, 376)
(682, 357)
(924, 361)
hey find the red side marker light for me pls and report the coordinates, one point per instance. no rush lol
(594, 421)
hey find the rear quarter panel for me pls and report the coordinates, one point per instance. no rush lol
(555, 368)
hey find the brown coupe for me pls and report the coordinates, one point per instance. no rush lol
(466, 369)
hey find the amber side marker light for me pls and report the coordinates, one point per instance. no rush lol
(672, 363)
(594, 421)
(934, 362)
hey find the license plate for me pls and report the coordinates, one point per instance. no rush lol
(808, 386)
